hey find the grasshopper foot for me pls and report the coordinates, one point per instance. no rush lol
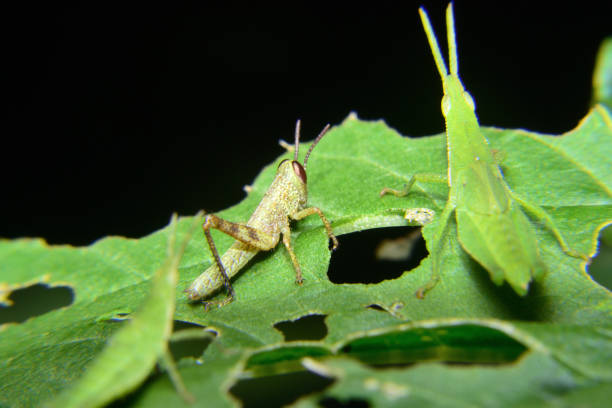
(208, 304)
(334, 242)
(396, 193)
(422, 291)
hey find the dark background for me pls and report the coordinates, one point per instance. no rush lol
(122, 113)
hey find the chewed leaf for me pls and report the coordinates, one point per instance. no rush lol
(110, 280)
(371, 152)
(132, 352)
(436, 385)
(571, 178)
(602, 77)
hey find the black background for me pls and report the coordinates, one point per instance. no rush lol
(122, 113)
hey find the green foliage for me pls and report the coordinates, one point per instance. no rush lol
(552, 347)
(115, 372)
(561, 328)
(602, 78)
(536, 378)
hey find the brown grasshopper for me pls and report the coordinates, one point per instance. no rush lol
(285, 199)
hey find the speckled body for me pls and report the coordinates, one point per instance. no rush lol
(286, 196)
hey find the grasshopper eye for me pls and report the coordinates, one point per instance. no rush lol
(469, 100)
(299, 170)
(446, 105)
(281, 163)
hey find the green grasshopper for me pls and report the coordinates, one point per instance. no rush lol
(285, 199)
(491, 226)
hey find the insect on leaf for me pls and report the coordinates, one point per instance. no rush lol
(285, 200)
(492, 225)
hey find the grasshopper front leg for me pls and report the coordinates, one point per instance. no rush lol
(315, 210)
(436, 246)
(287, 237)
(421, 178)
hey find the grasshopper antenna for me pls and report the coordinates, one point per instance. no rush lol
(297, 139)
(325, 129)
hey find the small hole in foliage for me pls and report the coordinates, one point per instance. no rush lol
(278, 390)
(34, 301)
(193, 346)
(463, 344)
(376, 255)
(311, 327)
(601, 265)
(329, 402)
(376, 307)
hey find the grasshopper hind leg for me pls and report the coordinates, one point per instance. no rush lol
(252, 240)
(226, 281)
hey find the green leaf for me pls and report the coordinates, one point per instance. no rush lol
(132, 352)
(458, 340)
(536, 378)
(208, 381)
(602, 77)
(47, 353)
(569, 175)
(572, 186)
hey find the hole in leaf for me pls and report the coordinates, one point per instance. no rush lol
(34, 301)
(329, 402)
(195, 340)
(393, 310)
(601, 265)
(278, 390)
(357, 261)
(310, 327)
(463, 344)
(116, 317)
(179, 325)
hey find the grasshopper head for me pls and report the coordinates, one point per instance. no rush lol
(293, 172)
(294, 179)
(292, 169)
(456, 101)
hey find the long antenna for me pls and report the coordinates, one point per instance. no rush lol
(452, 42)
(325, 129)
(433, 43)
(297, 139)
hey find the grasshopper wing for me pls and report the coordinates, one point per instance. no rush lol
(493, 229)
